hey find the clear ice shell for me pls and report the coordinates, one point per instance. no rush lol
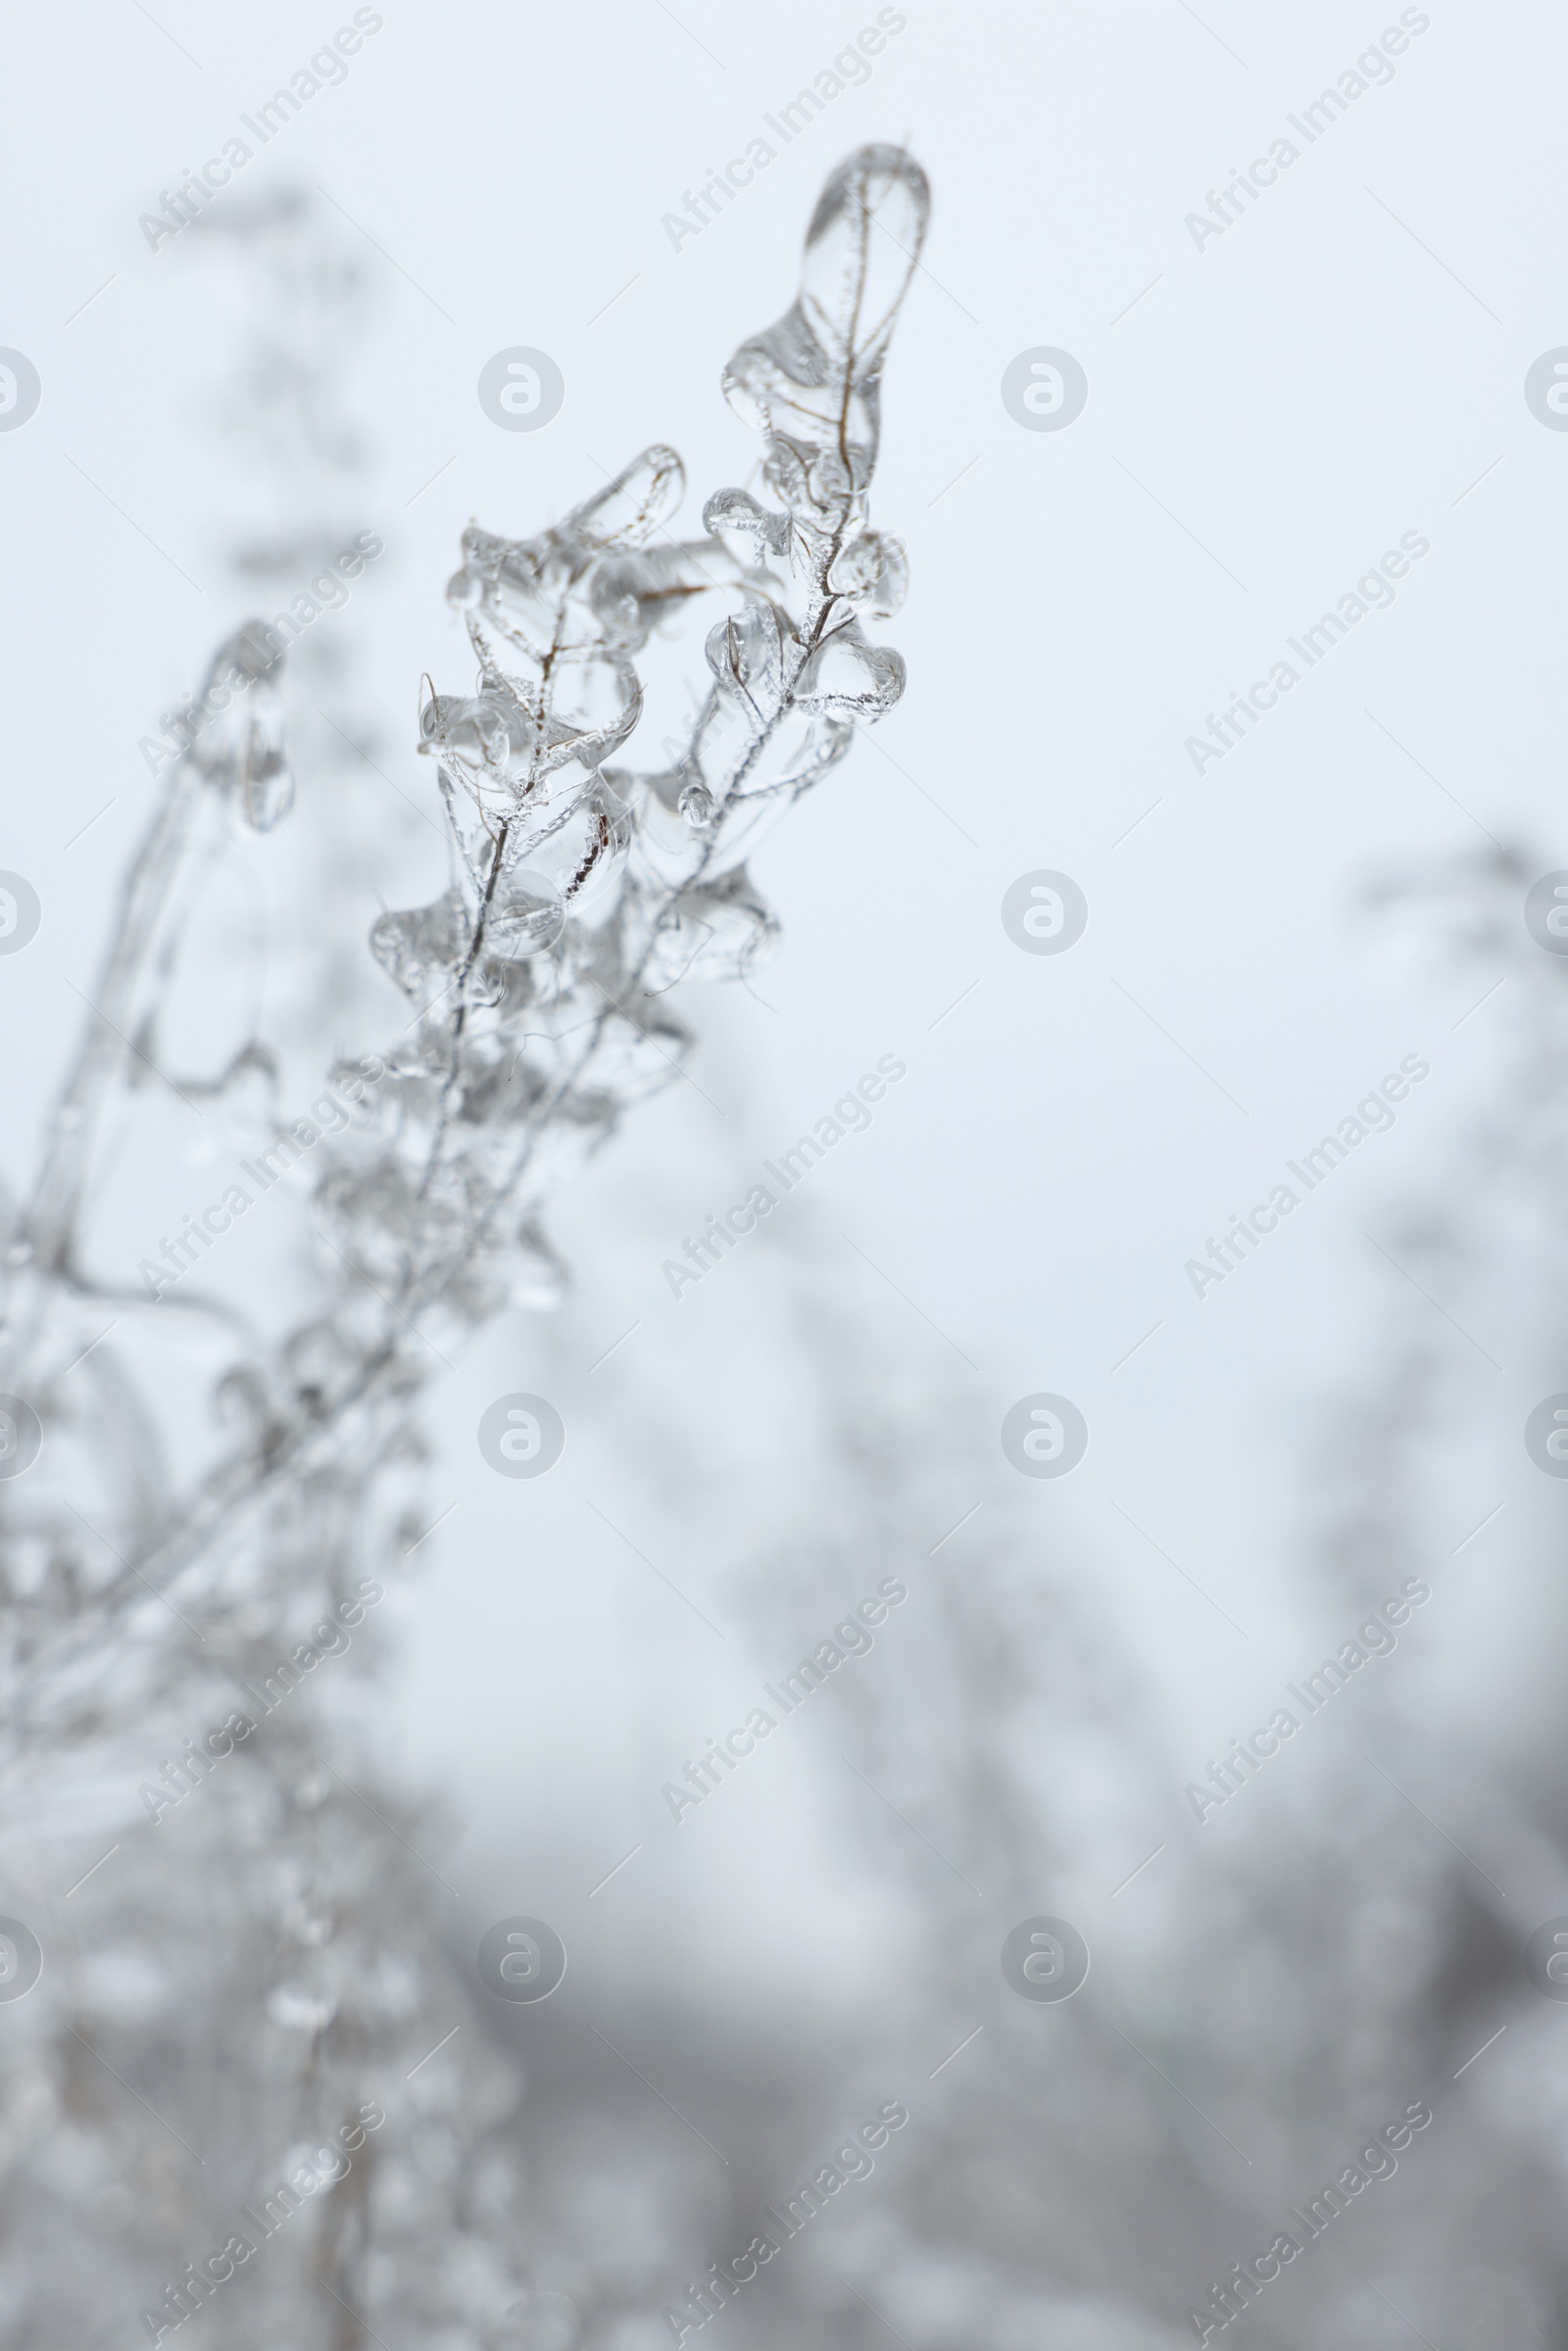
(738, 512)
(526, 915)
(752, 652)
(484, 740)
(578, 845)
(872, 569)
(711, 932)
(631, 595)
(845, 677)
(639, 500)
(420, 948)
(809, 385)
(667, 848)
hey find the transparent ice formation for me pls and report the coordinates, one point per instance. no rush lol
(285, 1949)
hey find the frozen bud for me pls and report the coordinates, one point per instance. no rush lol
(697, 807)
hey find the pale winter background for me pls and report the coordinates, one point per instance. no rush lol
(1268, 411)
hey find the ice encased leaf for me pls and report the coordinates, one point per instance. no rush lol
(527, 915)
(719, 931)
(629, 511)
(872, 569)
(750, 652)
(421, 947)
(759, 528)
(848, 679)
(809, 383)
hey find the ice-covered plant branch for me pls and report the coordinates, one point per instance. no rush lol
(146, 1596)
(583, 891)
